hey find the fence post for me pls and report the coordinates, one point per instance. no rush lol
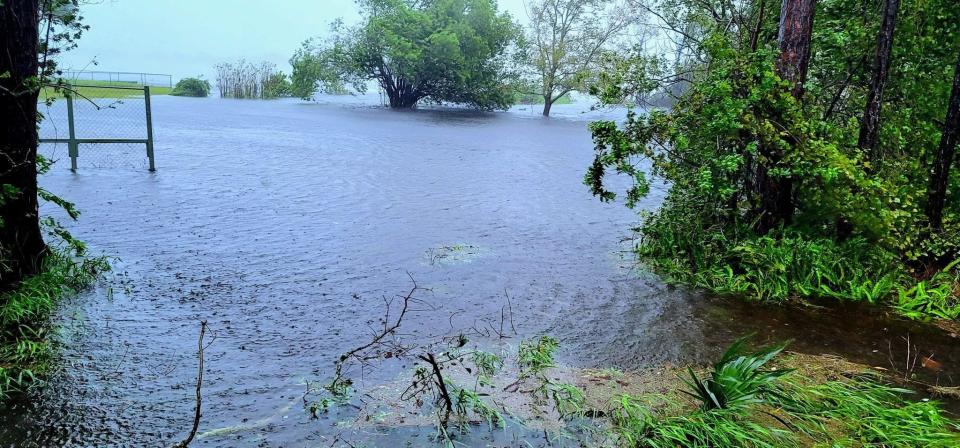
(146, 102)
(72, 148)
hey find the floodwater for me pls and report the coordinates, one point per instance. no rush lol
(285, 224)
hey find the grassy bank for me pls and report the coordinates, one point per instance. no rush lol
(25, 332)
(101, 89)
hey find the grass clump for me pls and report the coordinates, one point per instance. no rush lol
(743, 404)
(25, 345)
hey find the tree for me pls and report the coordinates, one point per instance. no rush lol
(22, 249)
(195, 87)
(946, 152)
(776, 190)
(567, 39)
(796, 30)
(870, 127)
(435, 50)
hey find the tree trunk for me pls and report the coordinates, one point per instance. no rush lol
(796, 27)
(870, 127)
(776, 193)
(937, 195)
(547, 105)
(21, 244)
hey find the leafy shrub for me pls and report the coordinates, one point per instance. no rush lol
(194, 87)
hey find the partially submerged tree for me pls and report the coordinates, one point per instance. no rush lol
(21, 243)
(32, 34)
(566, 41)
(436, 50)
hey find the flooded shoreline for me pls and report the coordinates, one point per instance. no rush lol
(285, 225)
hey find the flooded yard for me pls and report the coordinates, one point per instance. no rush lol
(284, 225)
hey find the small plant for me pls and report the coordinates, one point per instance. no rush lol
(535, 356)
(738, 379)
(937, 297)
(193, 87)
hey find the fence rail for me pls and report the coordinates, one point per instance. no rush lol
(143, 79)
(106, 123)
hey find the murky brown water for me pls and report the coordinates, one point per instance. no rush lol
(285, 224)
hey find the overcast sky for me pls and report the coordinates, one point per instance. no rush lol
(187, 37)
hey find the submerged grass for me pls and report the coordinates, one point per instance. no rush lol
(25, 345)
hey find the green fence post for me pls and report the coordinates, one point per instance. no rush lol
(72, 148)
(146, 101)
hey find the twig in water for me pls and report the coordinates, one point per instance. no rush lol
(447, 401)
(196, 416)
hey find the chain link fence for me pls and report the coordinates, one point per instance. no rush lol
(143, 79)
(98, 127)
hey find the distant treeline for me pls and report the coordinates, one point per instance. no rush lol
(247, 80)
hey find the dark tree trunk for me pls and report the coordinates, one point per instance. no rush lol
(21, 242)
(776, 193)
(547, 105)
(796, 27)
(937, 195)
(870, 127)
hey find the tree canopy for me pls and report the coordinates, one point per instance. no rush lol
(451, 51)
(566, 42)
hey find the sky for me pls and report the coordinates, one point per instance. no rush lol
(188, 37)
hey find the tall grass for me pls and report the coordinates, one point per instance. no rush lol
(744, 405)
(25, 346)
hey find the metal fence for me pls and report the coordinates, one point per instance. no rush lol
(100, 127)
(143, 79)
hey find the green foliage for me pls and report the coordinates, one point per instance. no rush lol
(536, 356)
(245, 80)
(194, 87)
(738, 379)
(773, 411)
(25, 346)
(937, 297)
(276, 85)
(854, 226)
(436, 50)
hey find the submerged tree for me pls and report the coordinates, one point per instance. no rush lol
(567, 39)
(436, 50)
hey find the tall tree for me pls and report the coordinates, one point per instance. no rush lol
(870, 126)
(796, 28)
(567, 39)
(936, 198)
(22, 249)
(434, 50)
(776, 191)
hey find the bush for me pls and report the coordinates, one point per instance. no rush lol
(194, 87)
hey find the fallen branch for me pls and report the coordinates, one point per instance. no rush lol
(196, 416)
